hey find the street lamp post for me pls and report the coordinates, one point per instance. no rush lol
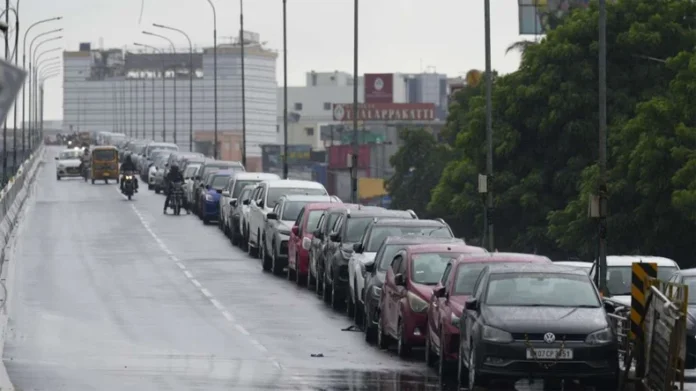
(131, 130)
(488, 214)
(191, 71)
(174, 78)
(285, 90)
(603, 188)
(215, 104)
(356, 149)
(32, 71)
(241, 43)
(37, 61)
(164, 98)
(26, 124)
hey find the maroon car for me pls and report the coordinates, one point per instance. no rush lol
(449, 296)
(408, 287)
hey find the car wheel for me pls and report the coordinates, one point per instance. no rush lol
(359, 312)
(326, 293)
(57, 177)
(430, 355)
(252, 251)
(403, 348)
(233, 236)
(277, 267)
(462, 371)
(368, 327)
(442, 361)
(157, 190)
(319, 284)
(206, 219)
(350, 307)
(265, 260)
(150, 187)
(475, 379)
(382, 338)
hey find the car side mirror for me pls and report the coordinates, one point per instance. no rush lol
(295, 230)
(246, 202)
(233, 203)
(472, 305)
(260, 204)
(219, 191)
(357, 248)
(272, 216)
(608, 307)
(225, 193)
(56, 158)
(370, 267)
(197, 178)
(335, 237)
(399, 280)
(440, 292)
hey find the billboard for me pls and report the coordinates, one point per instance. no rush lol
(379, 88)
(385, 112)
(301, 160)
(539, 16)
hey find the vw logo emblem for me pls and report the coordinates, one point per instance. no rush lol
(549, 338)
(379, 84)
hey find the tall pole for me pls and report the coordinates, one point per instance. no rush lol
(602, 229)
(241, 42)
(135, 108)
(489, 127)
(130, 108)
(4, 126)
(285, 90)
(356, 148)
(164, 93)
(191, 73)
(154, 77)
(14, 115)
(215, 91)
(174, 76)
(143, 79)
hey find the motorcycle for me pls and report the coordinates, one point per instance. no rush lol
(128, 185)
(85, 171)
(176, 202)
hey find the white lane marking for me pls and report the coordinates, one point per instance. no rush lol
(225, 313)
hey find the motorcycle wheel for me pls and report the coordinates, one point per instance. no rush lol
(129, 197)
(177, 208)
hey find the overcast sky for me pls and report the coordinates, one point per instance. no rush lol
(395, 35)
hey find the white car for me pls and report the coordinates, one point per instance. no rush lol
(228, 198)
(245, 211)
(189, 175)
(151, 177)
(620, 271)
(264, 199)
(68, 163)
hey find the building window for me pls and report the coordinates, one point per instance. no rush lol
(309, 131)
(327, 105)
(298, 106)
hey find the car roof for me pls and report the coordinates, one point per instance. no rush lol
(222, 163)
(628, 260)
(377, 212)
(161, 144)
(574, 263)
(262, 176)
(222, 173)
(419, 239)
(525, 267)
(506, 257)
(437, 247)
(687, 272)
(303, 197)
(409, 223)
(325, 205)
(292, 183)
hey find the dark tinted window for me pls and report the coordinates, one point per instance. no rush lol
(428, 267)
(219, 181)
(390, 251)
(292, 210)
(541, 289)
(313, 219)
(467, 275)
(104, 155)
(239, 185)
(275, 193)
(356, 228)
(380, 233)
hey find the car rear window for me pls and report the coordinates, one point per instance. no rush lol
(382, 232)
(104, 155)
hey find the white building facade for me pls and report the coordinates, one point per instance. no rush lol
(122, 91)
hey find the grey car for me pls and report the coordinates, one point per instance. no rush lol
(688, 277)
(539, 321)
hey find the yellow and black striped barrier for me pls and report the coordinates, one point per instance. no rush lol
(640, 273)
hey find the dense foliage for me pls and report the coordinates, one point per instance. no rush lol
(546, 139)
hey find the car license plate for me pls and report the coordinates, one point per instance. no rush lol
(106, 174)
(549, 354)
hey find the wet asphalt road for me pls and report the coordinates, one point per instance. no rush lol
(111, 294)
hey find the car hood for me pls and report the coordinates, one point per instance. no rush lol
(364, 258)
(456, 303)
(424, 291)
(69, 162)
(540, 320)
(285, 226)
(623, 299)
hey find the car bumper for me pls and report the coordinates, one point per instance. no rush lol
(210, 209)
(282, 249)
(510, 360)
(414, 326)
(69, 172)
(302, 266)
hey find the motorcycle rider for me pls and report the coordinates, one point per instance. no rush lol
(85, 158)
(129, 166)
(173, 176)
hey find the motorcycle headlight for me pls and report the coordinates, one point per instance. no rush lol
(496, 335)
(455, 320)
(416, 303)
(208, 197)
(600, 337)
(129, 177)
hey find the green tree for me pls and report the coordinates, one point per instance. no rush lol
(545, 120)
(652, 177)
(418, 165)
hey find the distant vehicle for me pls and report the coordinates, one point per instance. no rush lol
(688, 277)
(210, 195)
(541, 314)
(587, 266)
(68, 163)
(228, 199)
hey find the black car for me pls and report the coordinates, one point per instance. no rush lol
(538, 321)
(688, 277)
(376, 271)
(349, 228)
(208, 166)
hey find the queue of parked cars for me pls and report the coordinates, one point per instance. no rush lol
(406, 282)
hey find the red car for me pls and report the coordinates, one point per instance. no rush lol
(448, 298)
(408, 286)
(301, 238)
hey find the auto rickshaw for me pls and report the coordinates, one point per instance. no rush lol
(105, 163)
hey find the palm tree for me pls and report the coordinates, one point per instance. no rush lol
(520, 46)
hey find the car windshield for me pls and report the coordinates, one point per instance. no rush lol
(104, 155)
(691, 282)
(208, 169)
(619, 278)
(541, 290)
(274, 193)
(239, 185)
(292, 209)
(165, 147)
(245, 195)
(190, 171)
(388, 255)
(382, 232)
(68, 155)
(356, 228)
(428, 267)
(313, 219)
(219, 181)
(467, 274)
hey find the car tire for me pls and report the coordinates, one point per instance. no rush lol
(403, 349)
(326, 293)
(442, 363)
(58, 177)
(383, 339)
(337, 303)
(157, 190)
(462, 371)
(350, 307)
(359, 312)
(319, 286)
(368, 327)
(265, 260)
(150, 187)
(277, 268)
(430, 355)
(475, 380)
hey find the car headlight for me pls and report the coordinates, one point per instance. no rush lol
(492, 334)
(283, 232)
(417, 304)
(208, 197)
(61, 166)
(600, 337)
(376, 292)
(455, 319)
